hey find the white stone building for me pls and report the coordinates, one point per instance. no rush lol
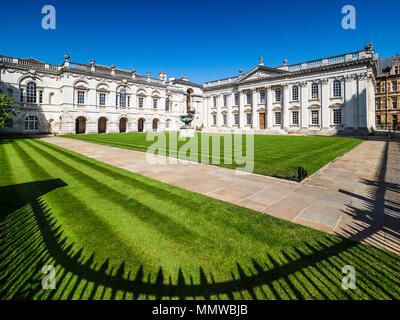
(333, 95)
(326, 96)
(89, 98)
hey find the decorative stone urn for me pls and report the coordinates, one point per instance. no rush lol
(186, 131)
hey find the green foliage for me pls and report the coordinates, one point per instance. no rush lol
(6, 110)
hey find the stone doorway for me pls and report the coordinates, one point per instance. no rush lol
(80, 125)
(140, 125)
(262, 120)
(122, 125)
(102, 125)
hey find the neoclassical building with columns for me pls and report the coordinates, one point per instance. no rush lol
(333, 95)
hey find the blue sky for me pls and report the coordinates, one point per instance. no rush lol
(204, 40)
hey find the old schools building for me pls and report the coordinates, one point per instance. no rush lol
(388, 94)
(334, 95)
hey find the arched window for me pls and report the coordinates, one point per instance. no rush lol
(314, 91)
(337, 88)
(122, 98)
(168, 124)
(10, 92)
(31, 92)
(295, 93)
(31, 123)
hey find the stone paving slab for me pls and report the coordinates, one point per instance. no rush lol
(356, 196)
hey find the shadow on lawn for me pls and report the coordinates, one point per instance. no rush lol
(40, 240)
(31, 237)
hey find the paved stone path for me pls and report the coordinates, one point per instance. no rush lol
(356, 196)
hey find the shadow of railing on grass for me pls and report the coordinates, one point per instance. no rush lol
(37, 234)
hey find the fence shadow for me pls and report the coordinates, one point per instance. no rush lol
(312, 271)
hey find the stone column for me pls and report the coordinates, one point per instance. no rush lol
(285, 107)
(268, 108)
(325, 114)
(350, 96)
(241, 109)
(254, 118)
(362, 101)
(304, 113)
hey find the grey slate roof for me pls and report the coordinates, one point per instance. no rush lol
(385, 64)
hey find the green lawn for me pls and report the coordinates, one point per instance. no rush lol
(273, 155)
(60, 208)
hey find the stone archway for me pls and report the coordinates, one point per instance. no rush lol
(80, 125)
(123, 124)
(141, 125)
(155, 124)
(102, 125)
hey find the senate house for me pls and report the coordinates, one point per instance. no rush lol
(327, 96)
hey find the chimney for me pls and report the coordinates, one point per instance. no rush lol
(162, 76)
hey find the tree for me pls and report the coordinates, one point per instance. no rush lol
(6, 110)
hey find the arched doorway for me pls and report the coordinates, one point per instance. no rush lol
(80, 125)
(155, 124)
(102, 125)
(140, 125)
(122, 124)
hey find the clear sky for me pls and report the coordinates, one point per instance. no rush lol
(204, 40)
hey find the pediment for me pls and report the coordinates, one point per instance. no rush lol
(261, 72)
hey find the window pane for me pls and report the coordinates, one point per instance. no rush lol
(122, 98)
(337, 88)
(81, 97)
(31, 92)
(337, 116)
(248, 118)
(277, 118)
(262, 96)
(295, 117)
(277, 95)
(314, 91)
(236, 99)
(295, 93)
(102, 99)
(314, 117)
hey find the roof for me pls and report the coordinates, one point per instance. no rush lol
(385, 64)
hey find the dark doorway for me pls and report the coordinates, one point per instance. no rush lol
(80, 125)
(102, 125)
(140, 125)
(122, 124)
(155, 124)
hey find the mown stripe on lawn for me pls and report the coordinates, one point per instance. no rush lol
(74, 210)
(180, 198)
(163, 224)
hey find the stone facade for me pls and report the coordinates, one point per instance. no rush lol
(333, 95)
(388, 94)
(329, 96)
(89, 98)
